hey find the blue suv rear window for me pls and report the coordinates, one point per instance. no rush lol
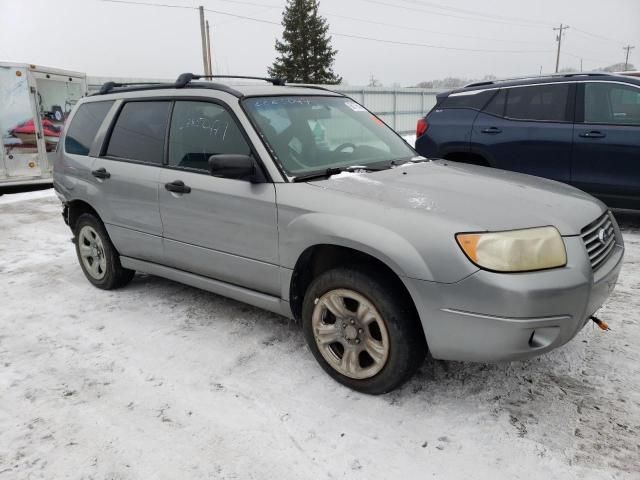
(474, 99)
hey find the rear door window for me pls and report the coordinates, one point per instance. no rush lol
(611, 103)
(199, 130)
(140, 131)
(538, 102)
(84, 127)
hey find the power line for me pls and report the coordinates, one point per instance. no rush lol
(499, 19)
(241, 2)
(337, 34)
(395, 25)
(131, 2)
(488, 20)
(415, 44)
(478, 13)
(422, 30)
(595, 35)
(394, 42)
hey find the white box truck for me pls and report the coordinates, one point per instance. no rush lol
(35, 102)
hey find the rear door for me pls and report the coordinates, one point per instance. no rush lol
(450, 123)
(127, 175)
(606, 153)
(528, 129)
(221, 228)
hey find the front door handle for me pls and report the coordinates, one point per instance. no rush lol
(101, 173)
(177, 186)
(491, 130)
(593, 134)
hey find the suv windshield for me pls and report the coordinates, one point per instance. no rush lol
(315, 133)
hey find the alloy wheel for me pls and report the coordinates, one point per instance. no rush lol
(350, 333)
(92, 253)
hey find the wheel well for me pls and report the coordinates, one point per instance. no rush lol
(320, 258)
(77, 208)
(467, 157)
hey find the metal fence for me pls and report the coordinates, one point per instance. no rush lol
(400, 108)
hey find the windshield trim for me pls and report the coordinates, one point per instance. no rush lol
(315, 93)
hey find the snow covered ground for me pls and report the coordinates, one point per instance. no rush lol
(163, 381)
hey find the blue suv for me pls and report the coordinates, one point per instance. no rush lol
(581, 129)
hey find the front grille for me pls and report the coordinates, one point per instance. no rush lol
(593, 236)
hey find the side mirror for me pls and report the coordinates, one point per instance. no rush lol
(235, 166)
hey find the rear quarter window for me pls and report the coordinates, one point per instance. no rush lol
(84, 127)
(475, 100)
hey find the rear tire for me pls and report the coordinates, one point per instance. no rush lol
(362, 330)
(98, 257)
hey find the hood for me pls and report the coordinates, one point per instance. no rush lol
(478, 198)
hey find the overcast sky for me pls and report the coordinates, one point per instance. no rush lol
(509, 37)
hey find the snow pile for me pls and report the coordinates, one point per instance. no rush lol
(164, 381)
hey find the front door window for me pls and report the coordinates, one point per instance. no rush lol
(611, 103)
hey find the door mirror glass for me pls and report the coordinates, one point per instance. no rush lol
(234, 166)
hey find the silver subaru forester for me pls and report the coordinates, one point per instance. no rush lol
(300, 201)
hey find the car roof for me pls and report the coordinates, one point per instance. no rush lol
(561, 78)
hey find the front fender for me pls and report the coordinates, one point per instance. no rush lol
(329, 229)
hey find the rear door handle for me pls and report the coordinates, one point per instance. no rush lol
(593, 134)
(491, 130)
(177, 186)
(101, 173)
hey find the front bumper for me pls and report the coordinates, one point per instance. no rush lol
(490, 317)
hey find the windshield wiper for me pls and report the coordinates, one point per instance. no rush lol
(335, 171)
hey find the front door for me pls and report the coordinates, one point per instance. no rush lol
(19, 127)
(221, 228)
(606, 151)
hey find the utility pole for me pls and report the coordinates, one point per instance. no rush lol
(559, 40)
(204, 42)
(209, 49)
(628, 48)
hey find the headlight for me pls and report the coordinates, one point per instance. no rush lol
(516, 250)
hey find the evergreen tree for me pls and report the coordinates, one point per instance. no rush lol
(305, 53)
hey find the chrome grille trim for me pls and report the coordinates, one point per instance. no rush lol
(596, 250)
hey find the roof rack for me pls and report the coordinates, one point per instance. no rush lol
(531, 77)
(108, 86)
(185, 78)
(312, 86)
(183, 81)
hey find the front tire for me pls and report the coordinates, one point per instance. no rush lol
(362, 329)
(98, 257)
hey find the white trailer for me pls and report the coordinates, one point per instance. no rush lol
(35, 102)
